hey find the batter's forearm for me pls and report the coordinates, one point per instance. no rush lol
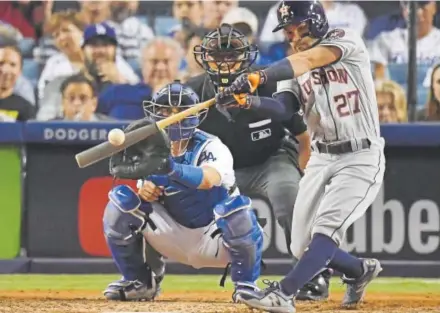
(278, 71)
(271, 107)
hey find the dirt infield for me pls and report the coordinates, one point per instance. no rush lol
(198, 302)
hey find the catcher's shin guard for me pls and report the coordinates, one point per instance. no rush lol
(243, 237)
(124, 219)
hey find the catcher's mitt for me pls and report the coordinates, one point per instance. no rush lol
(147, 157)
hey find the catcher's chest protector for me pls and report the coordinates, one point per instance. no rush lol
(192, 208)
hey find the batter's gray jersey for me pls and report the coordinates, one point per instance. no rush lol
(339, 100)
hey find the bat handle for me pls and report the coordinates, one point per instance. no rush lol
(181, 115)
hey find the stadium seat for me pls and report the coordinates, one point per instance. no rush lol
(422, 94)
(135, 65)
(143, 19)
(31, 70)
(26, 46)
(398, 73)
(164, 24)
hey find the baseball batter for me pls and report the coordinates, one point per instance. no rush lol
(330, 71)
(187, 207)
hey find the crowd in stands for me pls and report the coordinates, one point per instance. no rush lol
(79, 60)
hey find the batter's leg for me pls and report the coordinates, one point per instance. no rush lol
(353, 185)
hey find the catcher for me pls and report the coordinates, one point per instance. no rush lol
(187, 207)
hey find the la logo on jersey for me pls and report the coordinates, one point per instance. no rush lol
(207, 156)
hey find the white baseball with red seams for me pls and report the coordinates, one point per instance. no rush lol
(116, 137)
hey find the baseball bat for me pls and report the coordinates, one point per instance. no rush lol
(106, 149)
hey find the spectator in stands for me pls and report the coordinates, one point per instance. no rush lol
(432, 109)
(392, 46)
(190, 15)
(12, 106)
(245, 21)
(66, 28)
(79, 100)
(26, 16)
(100, 63)
(340, 15)
(391, 101)
(160, 61)
(214, 11)
(132, 34)
(9, 36)
(192, 68)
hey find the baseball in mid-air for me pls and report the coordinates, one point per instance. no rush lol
(116, 137)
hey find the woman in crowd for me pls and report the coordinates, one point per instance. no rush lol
(391, 102)
(432, 108)
(67, 30)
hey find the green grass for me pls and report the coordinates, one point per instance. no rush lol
(191, 282)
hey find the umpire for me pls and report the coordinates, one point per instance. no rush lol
(265, 132)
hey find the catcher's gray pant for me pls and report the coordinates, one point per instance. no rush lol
(277, 180)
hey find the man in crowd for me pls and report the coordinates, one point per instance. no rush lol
(12, 106)
(392, 46)
(101, 64)
(80, 99)
(161, 58)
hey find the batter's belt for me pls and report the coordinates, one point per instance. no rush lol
(341, 147)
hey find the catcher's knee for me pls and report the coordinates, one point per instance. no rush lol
(123, 215)
(243, 237)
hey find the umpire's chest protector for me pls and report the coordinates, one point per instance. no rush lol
(193, 208)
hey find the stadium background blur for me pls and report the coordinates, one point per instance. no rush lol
(62, 61)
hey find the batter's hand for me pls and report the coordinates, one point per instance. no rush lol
(240, 100)
(149, 192)
(246, 83)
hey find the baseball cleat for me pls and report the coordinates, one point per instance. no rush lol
(243, 288)
(271, 299)
(124, 290)
(356, 286)
(317, 288)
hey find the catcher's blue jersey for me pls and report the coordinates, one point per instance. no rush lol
(193, 208)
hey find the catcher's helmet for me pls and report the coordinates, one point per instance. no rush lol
(225, 53)
(171, 99)
(297, 12)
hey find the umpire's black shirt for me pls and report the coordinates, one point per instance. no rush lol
(252, 137)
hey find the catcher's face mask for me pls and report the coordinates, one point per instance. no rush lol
(225, 53)
(173, 99)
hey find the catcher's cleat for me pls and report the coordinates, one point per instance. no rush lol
(243, 288)
(124, 290)
(356, 286)
(317, 288)
(271, 299)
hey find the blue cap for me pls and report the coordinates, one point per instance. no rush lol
(101, 30)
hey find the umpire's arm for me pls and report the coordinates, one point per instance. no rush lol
(295, 124)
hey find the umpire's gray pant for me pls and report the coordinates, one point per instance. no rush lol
(277, 180)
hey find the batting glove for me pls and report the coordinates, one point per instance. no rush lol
(235, 100)
(246, 83)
